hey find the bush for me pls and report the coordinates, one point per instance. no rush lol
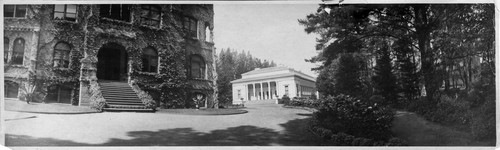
(303, 102)
(285, 100)
(396, 142)
(346, 114)
(484, 122)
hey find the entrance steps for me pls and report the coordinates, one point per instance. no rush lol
(266, 101)
(120, 96)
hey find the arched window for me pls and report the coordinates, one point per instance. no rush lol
(150, 60)
(151, 15)
(18, 52)
(11, 89)
(197, 67)
(207, 33)
(61, 55)
(5, 49)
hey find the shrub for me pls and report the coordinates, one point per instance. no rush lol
(304, 102)
(484, 122)
(343, 113)
(396, 142)
(285, 99)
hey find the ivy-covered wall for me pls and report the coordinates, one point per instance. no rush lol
(170, 86)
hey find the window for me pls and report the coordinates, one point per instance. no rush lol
(239, 94)
(5, 49)
(207, 33)
(286, 90)
(18, 52)
(151, 15)
(59, 94)
(297, 89)
(15, 11)
(61, 55)
(191, 27)
(115, 11)
(197, 67)
(149, 60)
(11, 89)
(65, 12)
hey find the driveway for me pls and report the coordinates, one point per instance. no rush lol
(265, 124)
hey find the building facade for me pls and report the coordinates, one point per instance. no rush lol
(272, 83)
(164, 49)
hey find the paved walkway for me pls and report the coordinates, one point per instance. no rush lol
(265, 124)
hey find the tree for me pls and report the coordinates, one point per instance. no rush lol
(230, 65)
(384, 79)
(418, 23)
(406, 67)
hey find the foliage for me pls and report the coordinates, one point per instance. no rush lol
(343, 139)
(384, 79)
(97, 101)
(406, 67)
(304, 102)
(344, 75)
(484, 121)
(437, 37)
(284, 100)
(230, 65)
(347, 114)
(146, 99)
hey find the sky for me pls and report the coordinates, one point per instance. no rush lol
(268, 31)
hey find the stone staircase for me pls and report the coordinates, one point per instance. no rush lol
(120, 96)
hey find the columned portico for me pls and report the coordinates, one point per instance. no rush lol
(272, 83)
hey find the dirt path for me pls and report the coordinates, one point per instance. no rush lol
(418, 131)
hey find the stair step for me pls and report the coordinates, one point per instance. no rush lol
(120, 96)
(123, 109)
(126, 106)
(124, 103)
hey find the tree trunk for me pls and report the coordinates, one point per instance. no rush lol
(423, 30)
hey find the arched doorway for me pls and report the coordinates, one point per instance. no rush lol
(112, 62)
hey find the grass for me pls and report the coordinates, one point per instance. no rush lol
(45, 108)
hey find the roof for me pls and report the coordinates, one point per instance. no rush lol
(262, 70)
(291, 73)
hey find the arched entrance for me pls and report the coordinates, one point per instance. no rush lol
(112, 62)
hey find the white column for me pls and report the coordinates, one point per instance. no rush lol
(261, 91)
(269, 90)
(254, 92)
(277, 90)
(300, 90)
(271, 93)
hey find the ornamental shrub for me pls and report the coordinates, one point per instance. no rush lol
(352, 116)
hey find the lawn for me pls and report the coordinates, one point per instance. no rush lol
(46, 108)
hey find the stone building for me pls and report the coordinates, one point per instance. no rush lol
(163, 51)
(272, 83)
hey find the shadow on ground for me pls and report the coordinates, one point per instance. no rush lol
(295, 134)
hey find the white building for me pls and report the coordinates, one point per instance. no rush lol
(272, 83)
